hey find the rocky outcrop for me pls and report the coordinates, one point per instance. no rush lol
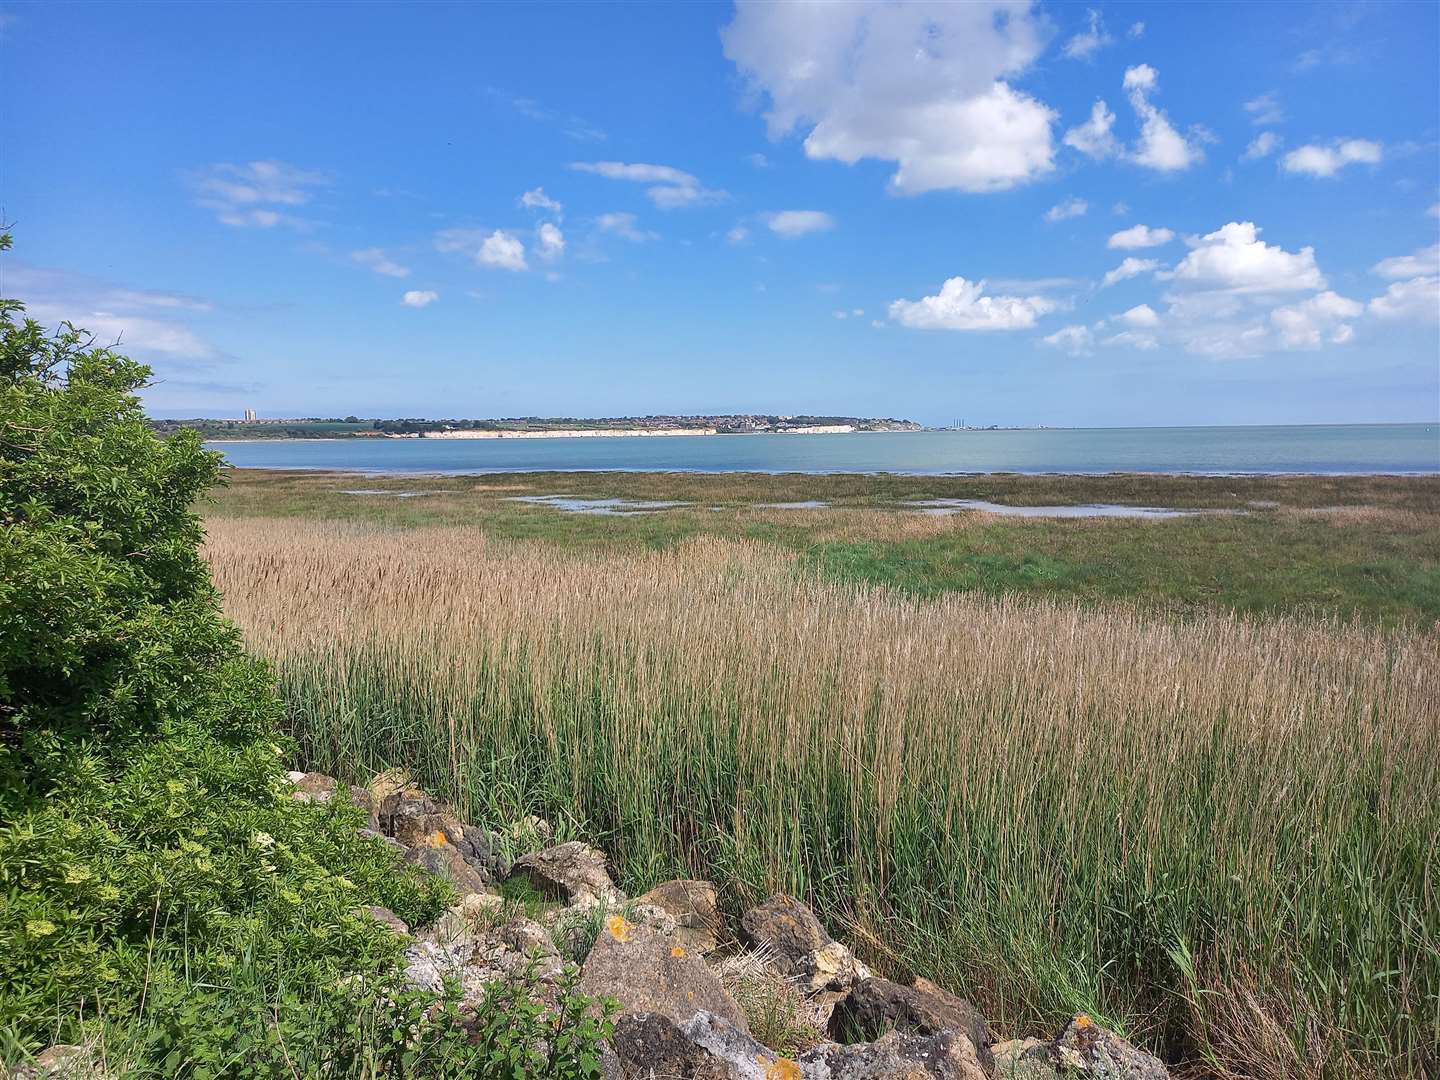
(878, 1005)
(1085, 1048)
(572, 873)
(693, 907)
(786, 929)
(648, 971)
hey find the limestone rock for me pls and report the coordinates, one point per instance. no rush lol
(875, 1005)
(786, 929)
(649, 1045)
(445, 860)
(1023, 1059)
(314, 788)
(396, 808)
(1087, 1049)
(947, 1055)
(573, 873)
(475, 954)
(830, 967)
(361, 798)
(693, 906)
(650, 972)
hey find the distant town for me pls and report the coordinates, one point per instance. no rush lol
(251, 426)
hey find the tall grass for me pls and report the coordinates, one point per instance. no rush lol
(1217, 834)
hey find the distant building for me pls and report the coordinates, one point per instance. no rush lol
(249, 416)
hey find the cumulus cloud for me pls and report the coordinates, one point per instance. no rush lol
(1142, 315)
(1417, 299)
(251, 195)
(1087, 42)
(1160, 146)
(793, 223)
(1129, 268)
(962, 305)
(375, 259)
(536, 199)
(1265, 110)
(1421, 263)
(1075, 340)
(669, 189)
(625, 226)
(418, 298)
(1263, 145)
(1327, 161)
(737, 235)
(1069, 208)
(1094, 137)
(920, 85)
(1234, 259)
(549, 242)
(1139, 236)
(1310, 323)
(1136, 31)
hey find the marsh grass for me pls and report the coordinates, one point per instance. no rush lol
(1218, 834)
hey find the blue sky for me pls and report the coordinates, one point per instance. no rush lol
(870, 208)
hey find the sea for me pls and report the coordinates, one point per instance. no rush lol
(1400, 449)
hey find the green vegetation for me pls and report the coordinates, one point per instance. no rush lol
(161, 898)
(1348, 547)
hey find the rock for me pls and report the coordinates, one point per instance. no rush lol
(390, 842)
(61, 1062)
(1023, 1059)
(786, 929)
(693, 906)
(650, 972)
(708, 1047)
(830, 967)
(529, 834)
(481, 849)
(475, 954)
(314, 788)
(1087, 1049)
(445, 860)
(387, 918)
(362, 799)
(398, 806)
(573, 873)
(876, 1005)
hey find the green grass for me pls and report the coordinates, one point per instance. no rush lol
(1378, 560)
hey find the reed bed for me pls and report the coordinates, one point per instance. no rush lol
(1220, 835)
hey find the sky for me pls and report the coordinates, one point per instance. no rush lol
(1010, 213)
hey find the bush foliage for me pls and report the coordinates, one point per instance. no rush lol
(158, 890)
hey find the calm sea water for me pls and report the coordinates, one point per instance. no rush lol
(1351, 448)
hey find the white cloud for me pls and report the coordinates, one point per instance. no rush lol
(1142, 315)
(760, 161)
(246, 196)
(624, 226)
(920, 85)
(1094, 138)
(1263, 145)
(536, 199)
(1086, 43)
(1161, 147)
(133, 334)
(961, 305)
(1075, 340)
(1120, 209)
(1434, 211)
(1234, 259)
(793, 223)
(549, 242)
(1135, 339)
(1137, 30)
(669, 189)
(1129, 268)
(1070, 208)
(418, 298)
(1417, 299)
(1326, 161)
(1310, 323)
(503, 251)
(1139, 236)
(375, 259)
(738, 235)
(1265, 110)
(1421, 263)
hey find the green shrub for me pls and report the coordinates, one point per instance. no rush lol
(159, 891)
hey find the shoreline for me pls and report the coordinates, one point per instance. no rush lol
(1078, 474)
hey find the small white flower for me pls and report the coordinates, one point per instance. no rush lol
(263, 840)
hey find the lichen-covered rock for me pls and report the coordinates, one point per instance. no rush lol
(398, 807)
(314, 788)
(830, 967)
(573, 873)
(708, 1047)
(1023, 1059)
(650, 972)
(1087, 1049)
(361, 798)
(476, 952)
(695, 909)
(876, 1005)
(786, 929)
(444, 859)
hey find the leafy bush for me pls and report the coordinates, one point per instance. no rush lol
(159, 891)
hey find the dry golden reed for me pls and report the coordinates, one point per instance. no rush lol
(1176, 825)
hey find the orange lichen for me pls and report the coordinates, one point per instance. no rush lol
(619, 927)
(677, 952)
(781, 1069)
(437, 839)
(1083, 1021)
